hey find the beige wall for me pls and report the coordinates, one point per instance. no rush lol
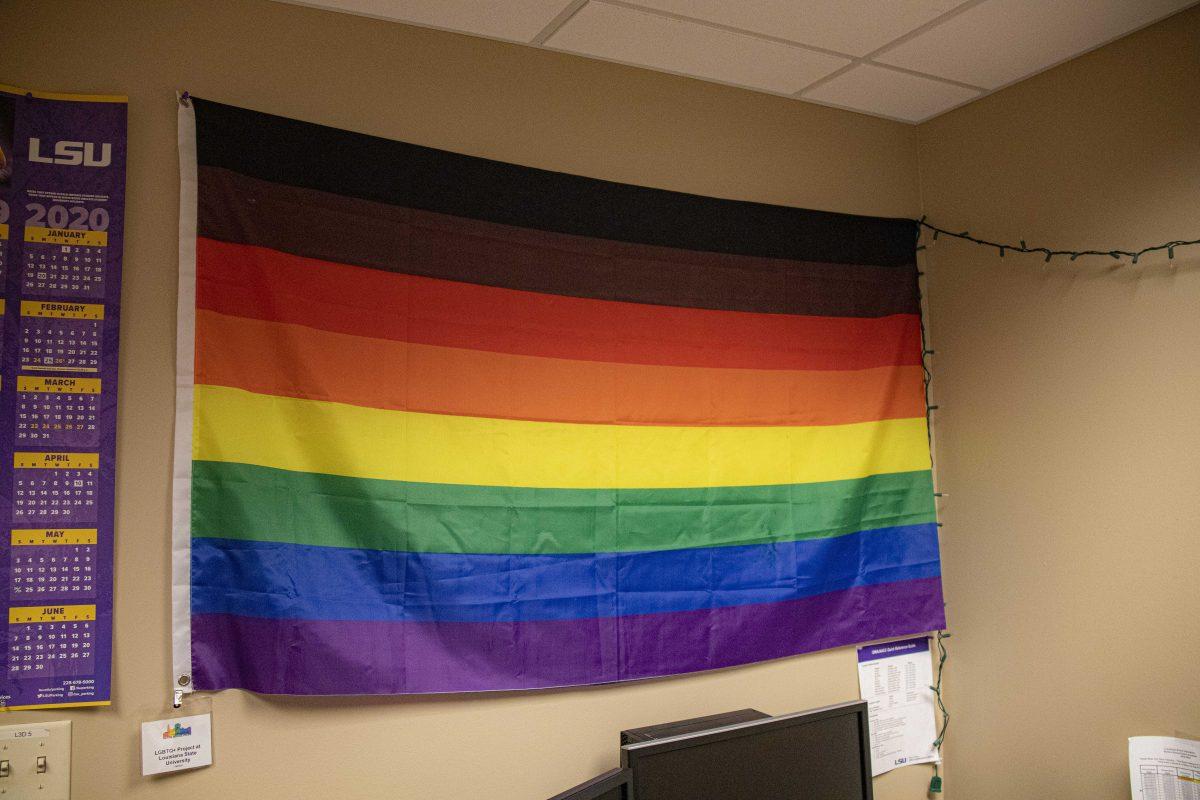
(457, 93)
(1069, 436)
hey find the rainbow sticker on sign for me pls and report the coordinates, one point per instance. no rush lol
(175, 731)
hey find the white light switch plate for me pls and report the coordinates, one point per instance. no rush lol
(21, 746)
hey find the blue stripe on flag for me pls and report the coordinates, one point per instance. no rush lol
(279, 580)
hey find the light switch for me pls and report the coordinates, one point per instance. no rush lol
(35, 761)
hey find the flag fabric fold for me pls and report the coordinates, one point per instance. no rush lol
(461, 425)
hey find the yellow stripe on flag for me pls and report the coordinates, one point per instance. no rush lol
(234, 425)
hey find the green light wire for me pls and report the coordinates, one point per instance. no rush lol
(1049, 253)
(935, 785)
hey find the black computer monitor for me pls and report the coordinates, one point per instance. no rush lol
(616, 784)
(824, 754)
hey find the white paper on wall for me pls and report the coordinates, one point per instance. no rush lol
(1164, 768)
(894, 678)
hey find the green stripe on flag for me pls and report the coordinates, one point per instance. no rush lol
(240, 501)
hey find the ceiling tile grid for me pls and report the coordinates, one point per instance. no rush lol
(907, 60)
(886, 92)
(998, 42)
(854, 28)
(677, 45)
(517, 21)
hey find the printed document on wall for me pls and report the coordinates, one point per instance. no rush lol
(1164, 768)
(894, 678)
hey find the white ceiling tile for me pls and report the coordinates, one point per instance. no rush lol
(1001, 41)
(981, 43)
(515, 20)
(878, 90)
(854, 27)
(652, 40)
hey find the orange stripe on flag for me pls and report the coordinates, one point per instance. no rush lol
(297, 361)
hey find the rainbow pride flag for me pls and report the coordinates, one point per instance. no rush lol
(448, 424)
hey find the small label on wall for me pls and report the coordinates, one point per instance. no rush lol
(169, 745)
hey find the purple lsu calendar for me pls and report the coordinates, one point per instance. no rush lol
(62, 197)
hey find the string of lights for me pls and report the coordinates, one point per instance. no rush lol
(935, 785)
(1050, 253)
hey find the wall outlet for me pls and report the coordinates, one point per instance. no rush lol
(35, 761)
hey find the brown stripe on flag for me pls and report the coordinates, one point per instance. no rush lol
(306, 222)
(297, 153)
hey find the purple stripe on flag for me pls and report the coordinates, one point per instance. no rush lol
(297, 656)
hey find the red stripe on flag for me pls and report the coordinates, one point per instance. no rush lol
(259, 283)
